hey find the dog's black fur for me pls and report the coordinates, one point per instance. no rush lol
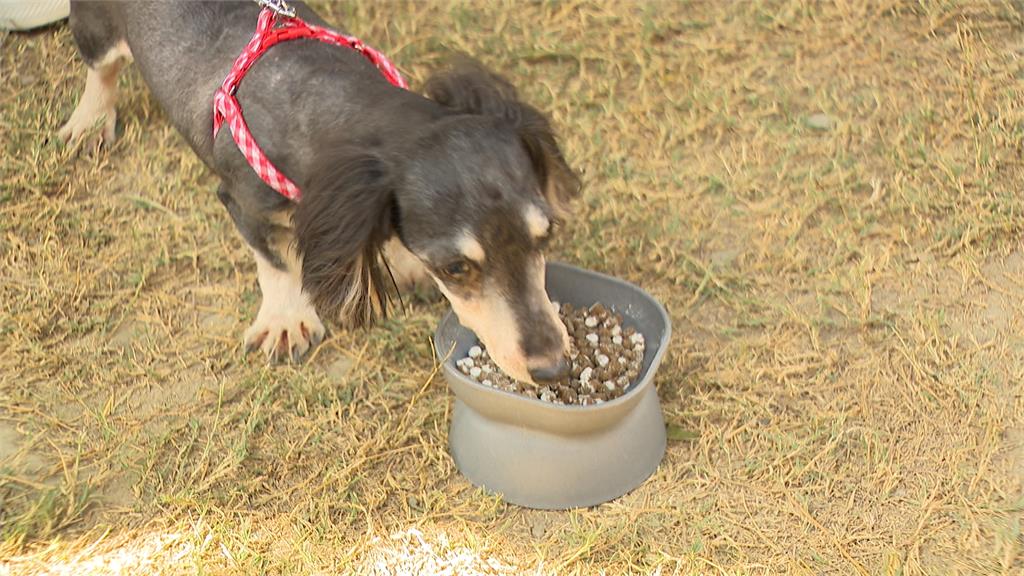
(372, 160)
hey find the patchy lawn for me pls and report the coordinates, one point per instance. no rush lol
(825, 195)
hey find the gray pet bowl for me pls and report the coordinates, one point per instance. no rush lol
(552, 456)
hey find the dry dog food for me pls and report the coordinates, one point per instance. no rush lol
(606, 359)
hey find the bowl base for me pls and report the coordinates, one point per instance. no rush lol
(521, 463)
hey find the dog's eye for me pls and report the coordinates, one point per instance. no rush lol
(456, 269)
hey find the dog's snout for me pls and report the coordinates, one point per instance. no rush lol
(542, 342)
(551, 372)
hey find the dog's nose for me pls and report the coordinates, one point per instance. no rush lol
(551, 373)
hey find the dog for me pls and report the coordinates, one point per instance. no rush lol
(464, 185)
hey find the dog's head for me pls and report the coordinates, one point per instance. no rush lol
(475, 198)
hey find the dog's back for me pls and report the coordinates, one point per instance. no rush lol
(184, 50)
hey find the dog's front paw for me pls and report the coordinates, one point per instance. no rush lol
(284, 337)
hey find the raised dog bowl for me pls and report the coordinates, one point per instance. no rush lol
(553, 456)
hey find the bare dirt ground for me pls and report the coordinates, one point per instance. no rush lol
(825, 195)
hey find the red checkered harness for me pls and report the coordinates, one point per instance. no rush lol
(226, 107)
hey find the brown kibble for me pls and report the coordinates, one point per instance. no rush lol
(563, 393)
(608, 341)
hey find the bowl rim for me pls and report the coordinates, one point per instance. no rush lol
(647, 379)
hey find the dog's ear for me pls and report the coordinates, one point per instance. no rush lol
(341, 224)
(560, 183)
(467, 87)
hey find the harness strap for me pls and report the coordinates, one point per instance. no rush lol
(227, 109)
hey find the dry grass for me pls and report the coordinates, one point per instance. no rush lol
(845, 388)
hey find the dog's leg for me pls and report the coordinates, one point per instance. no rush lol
(287, 325)
(409, 272)
(98, 105)
(407, 269)
(104, 52)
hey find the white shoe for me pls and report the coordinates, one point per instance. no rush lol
(27, 14)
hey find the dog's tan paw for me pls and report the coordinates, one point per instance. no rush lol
(95, 118)
(91, 128)
(284, 338)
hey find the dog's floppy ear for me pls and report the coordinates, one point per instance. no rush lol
(470, 88)
(561, 185)
(341, 224)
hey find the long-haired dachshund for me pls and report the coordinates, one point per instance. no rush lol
(464, 186)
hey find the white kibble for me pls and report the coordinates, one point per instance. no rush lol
(487, 368)
(487, 382)
(556, 306)
(602, 360)
(617, 331)
(468, 363)
(622, 360)
(637, 338)
(475, 351)
(585, 375)
(475, 371)
(609, 385)
(592, 338)
(590, 322)
(617, 340)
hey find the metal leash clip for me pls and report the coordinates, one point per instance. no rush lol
(280, 7)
